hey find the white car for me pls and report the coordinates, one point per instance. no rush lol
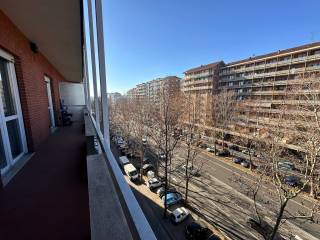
(210, 149)
(179, 215)
(151, 174)
(154, 183)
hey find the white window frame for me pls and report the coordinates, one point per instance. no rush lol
(4, 133)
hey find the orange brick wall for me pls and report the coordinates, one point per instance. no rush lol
(30, 69)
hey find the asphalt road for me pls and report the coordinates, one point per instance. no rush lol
(219, 196)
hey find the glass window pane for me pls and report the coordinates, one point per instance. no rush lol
(6, 93)
(3, 162)
(14, 137)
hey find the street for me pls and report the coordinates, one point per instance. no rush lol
(217, 198)
(220, 198)
(152, 207)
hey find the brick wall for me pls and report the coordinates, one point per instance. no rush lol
(31, 69)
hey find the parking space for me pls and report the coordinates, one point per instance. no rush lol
(153, 207)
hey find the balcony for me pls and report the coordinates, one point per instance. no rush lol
(71, 186)
(49, 192)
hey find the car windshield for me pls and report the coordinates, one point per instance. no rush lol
(133, 173)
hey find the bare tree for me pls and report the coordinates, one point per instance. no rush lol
(277, 179)
(165, 118)
(192, 129)
(223, 109)
(305, 100)
(140, 119)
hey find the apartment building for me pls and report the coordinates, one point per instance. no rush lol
(200, 83)
(260, 84)
(263, 82)
(151, 90)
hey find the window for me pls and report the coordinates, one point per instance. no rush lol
(12, 135)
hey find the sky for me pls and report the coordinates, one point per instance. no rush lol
(146, 39)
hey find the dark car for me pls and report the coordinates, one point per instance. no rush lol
(172, 198)
(160, 191)
(147, 167)
(292, 181)
(238, 160)
(245, 164)
(203, 145)
(234, 147)
(194, 231)
(223, 153)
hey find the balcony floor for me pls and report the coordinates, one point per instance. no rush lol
(48, 199)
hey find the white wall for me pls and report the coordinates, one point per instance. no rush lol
(72, 96)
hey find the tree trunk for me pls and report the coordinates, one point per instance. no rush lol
(250, 160)
(165, 187)
(278, 221)
(187, 175)
(312, 186)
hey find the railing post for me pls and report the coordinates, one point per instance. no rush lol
(93, 64)
(102, 71)
(85, 77)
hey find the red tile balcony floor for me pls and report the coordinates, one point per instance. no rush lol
(48, 198)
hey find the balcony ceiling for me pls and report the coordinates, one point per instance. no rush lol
(55, 26)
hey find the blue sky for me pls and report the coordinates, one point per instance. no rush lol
(146, 39)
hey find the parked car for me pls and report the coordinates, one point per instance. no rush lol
(223, 153)
(245, 164)
(151, 174)
(203, 145)
(189, 167)
(192, 170)
(194, 231)
(123, 160)
(292, 180)
(179, 215)
(210, 149)
(131, 172)
(144, 141)
(162, 156)
(286, 165)
(238, 160)
(173, 198)
(160, 191)
(234, 147)
(147, 167)
(245, 151)
(145, 159)
(154, 183)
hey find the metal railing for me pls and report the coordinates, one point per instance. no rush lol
(137, 216)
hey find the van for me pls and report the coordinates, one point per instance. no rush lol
(131, 172)
(123, 160)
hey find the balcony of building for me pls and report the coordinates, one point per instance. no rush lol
(70, 186)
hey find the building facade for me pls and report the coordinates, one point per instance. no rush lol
(264, 82)
(201, 83)
(260, 84)
(150, 91)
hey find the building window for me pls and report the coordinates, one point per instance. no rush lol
(12, 135)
